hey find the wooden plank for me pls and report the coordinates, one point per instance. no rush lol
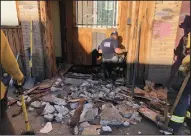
(122, 17)
(82, 46)
(47, 35)
(14, 36)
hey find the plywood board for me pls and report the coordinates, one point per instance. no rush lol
(82, 46)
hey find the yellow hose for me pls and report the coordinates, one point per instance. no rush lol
(25, 113)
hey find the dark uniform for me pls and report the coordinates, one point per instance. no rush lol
(108, 47)
(109, 57)
(182, 108)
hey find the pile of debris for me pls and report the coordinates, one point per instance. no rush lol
(89, 106)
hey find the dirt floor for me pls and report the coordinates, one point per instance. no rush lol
(146, 127)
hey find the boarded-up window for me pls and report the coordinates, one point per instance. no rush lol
(9, 13)
(96, 13)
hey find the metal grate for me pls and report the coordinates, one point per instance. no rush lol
(96, 14)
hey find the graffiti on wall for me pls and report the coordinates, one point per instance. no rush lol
(161, 29)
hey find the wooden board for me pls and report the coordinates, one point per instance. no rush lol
(82, 40)
(48, 41)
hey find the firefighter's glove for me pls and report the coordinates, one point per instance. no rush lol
(19, 87)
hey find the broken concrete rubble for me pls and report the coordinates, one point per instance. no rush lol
(106, 129)
(83, 125)
(122, 111)
(73, 81)
(58, 117)
(61, 109)
(73, 105)
(126, 124)
(125, 111)
(36, 104)
(110, 115)
(30, 109)
(48, 109)
(54, 89)
(55, 100)
(48, 117)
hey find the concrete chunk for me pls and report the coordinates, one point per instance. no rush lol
(110, 115)
(48, 109)
(36, 104)
(48, 117)
(61, 109)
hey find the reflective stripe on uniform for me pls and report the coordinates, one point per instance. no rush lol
(188, 114)
(177, 119)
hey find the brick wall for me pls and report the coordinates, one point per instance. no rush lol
(29, 10)
(165, 27)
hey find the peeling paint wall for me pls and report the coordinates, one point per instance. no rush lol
(165, 26)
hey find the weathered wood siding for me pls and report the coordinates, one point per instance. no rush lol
(14, 36)
(47, 36)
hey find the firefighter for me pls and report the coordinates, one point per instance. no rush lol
(9, 64)
(178, 117)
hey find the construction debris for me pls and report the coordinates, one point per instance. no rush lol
(106, 129)
(47, 128)
(92, 106)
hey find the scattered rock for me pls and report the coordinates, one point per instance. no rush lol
(49, 117)
(139, 133)
(88, 114)
(59, 101)
(73, 105)
(74, 88)
(101, 94)
(72, 112)
(83, 125)
(53, 99)
(110, 115)
(82, 96)
(48, 109)
(58, 117)
(19, 103)
(30, 109)
(47, 128)
(106, 129)
(59, 80)
(76, 131)
(124, 88)
(36, 104)
(136, 106)
(61, 109)
(27, 98)
(109, 86)
(111, 94)
(106, 90)
(73, 81)
(135, 117)
(126, 124)
(125, 111)
(54, 89)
